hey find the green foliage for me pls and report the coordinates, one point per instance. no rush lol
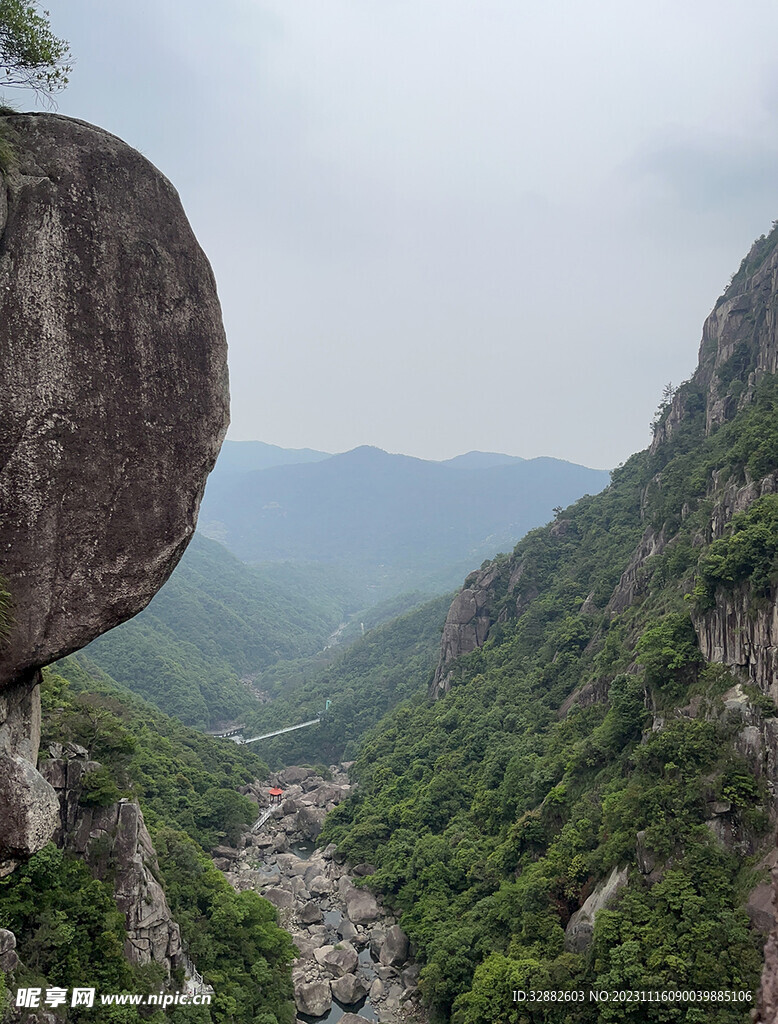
(68, 927)
(390, 663)
(748, 554)
(215, 625)
(668, 650)
(684, 932)
(30, 54)
(99, 788)
(71, 930)
(181, 777)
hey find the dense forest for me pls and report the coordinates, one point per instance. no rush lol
(69, 930)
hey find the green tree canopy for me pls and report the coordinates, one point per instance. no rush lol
(31, 55)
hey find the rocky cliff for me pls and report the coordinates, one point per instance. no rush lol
(737, 355)
(115, 403)
(114, 842)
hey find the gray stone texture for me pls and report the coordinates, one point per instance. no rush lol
(115, 403)
(115, 844)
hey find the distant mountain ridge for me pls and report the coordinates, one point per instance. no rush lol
(367, 508)
(245, 456)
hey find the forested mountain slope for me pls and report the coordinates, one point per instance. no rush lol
(586, 798)
(61, 904)
(215, 624)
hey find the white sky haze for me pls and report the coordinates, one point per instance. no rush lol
(445, 225)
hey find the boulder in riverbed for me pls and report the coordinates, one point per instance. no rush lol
(310, 914)
(349, 989)
(320, 886)
(361, 906)
(394, 951)
(309, 821)
(338, 960)
(280, 898)
(312, 998)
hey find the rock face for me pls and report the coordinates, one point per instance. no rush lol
(744, 635)
(115, 402)
(580, 927)
(467, 625)
(115, 843)
(8, 958)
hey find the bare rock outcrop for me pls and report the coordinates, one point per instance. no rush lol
(115, 402)
(740, 332)
(630, 584)
(115, 843)
(580, 927)
(8, 958)
(743, 634)
(467, 625)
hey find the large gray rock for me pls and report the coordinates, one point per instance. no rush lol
(361, 906)
(348, 932)
(309, 821)
(28, 810)
(310, 914)
(294, 774)
(9, 961)
(320, 886)
(353, 1018)
(312, 998)
(115, 400)
(338, 960)
(394, 951)
(281, 898)
(467, 625)
(350, 989)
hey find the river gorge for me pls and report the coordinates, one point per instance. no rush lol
(355, 963)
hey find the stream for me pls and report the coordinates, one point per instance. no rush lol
(351, 948)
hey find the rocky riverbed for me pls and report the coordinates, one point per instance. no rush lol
(355, 961)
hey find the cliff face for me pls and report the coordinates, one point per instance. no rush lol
(467, 624)
(115, 403)
(739, 349)
(739, 346)
(739, 341)
(115, 843)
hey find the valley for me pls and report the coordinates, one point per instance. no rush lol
(539, 710)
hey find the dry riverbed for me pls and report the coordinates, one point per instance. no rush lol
(355, 963)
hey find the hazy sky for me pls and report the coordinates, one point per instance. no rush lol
(446, 225)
